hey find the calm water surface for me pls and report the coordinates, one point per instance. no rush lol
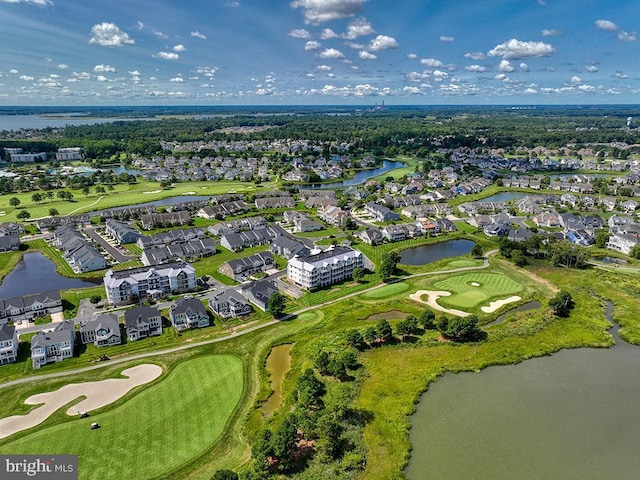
(360, 176)
(437, 251)
(573, 415)
(35, 274)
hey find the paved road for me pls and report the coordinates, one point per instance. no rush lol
(113, 251)
(235, 334)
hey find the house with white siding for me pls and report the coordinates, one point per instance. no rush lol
(324, 268)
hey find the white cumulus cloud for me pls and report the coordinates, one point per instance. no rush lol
(383, 42)
(505, 66)
(431, 62)
(475, 56)
(320, 11)
(412, 56)
(366, 55)
(445, 38)
(104, 68)
(312, 45)
(627, 36)
(530, 91)
(63, 66)
(176, 80)
(179, 48)
(331, 53)
(39, 3)
(475, 68)
(327, 34)
(551, 33)
(199, 35)
(324, 68)
(516, 49)
(575, 79)
(26, 78)
(359, 28)
(606, 25)
(109, 35)
(167, 56)
(591, 68)
(299, 33)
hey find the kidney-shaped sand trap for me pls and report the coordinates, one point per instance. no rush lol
(97, 395)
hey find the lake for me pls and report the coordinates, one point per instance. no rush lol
(35, 274)
(16, 122)
(572, 415)
(360, 176)
(436, 251)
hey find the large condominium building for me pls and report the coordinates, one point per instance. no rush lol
(151, 281)
(324, 268)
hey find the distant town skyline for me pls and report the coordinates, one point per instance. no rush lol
(250, 52)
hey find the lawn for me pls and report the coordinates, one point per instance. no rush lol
(465, 295)
(161, 429)
(386, 291)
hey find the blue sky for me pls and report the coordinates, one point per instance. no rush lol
(246, 52)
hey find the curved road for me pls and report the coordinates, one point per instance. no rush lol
(234, 335)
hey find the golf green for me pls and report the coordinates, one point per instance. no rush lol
(160, 429)
(472, 289)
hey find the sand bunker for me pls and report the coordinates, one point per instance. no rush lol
(97, 395)
(496, 304)
(153, 191)
(189, 193)
(433, 296)
(474, 284)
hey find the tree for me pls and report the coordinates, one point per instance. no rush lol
(370, 335)
(53, 212)
(23, 215)
(36, 197)
(388, 265)
(14, 201)
(225, 475)
(276, 304)
(427, 320)
(95, 299)
(635, 251)
(100, 190)
(562, 304)
(464, 329)
(85, 190)
(309, 391)
(383, 330)
(355, 339)
(358, 274)
(518, 258)
(321, 361)
(443, 324)
(477, 251)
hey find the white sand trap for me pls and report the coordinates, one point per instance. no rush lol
(474, 284)
(433, 296)
(189, 193)
(496, 304)
(96, 395)
(152, 191)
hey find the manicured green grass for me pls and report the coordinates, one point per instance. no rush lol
(8, 260)
(157, 431)
(123, 194)
(464, 295)
(463, 263)
(387, 291)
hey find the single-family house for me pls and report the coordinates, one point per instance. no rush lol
(101, 331)
(53, 346)
(258, 292)
(229, 303)
(188, 313)
(8, 344)
(141, 322)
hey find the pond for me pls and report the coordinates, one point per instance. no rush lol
(35, 274)
(532, 305)
(437, 251)
(360, 176)
(278, 364)
(569, 415)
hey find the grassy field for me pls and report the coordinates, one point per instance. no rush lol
(8, 260)
(156, 431)
(123, 194)
(387, 291)
(465, 295)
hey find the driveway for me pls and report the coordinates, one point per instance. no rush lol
(113, 251)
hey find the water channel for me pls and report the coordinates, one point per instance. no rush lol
(572, 415)
(277, 366)
(36, 274)
(360, 176)
(436, 251)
